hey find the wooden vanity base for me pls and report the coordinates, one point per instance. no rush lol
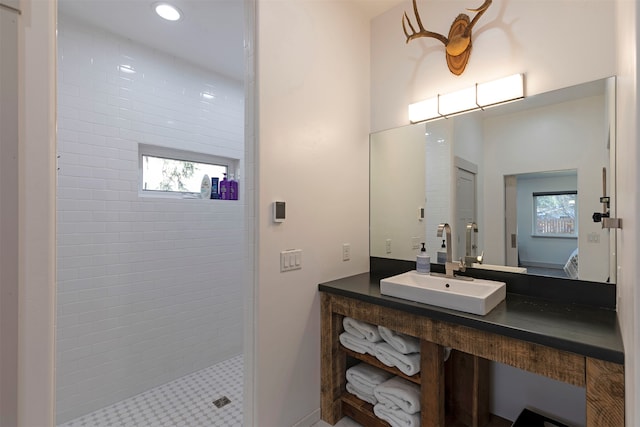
(456, 392)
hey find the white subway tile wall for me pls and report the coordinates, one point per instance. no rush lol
(149, 289)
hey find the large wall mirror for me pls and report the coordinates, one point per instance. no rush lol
(529, 174)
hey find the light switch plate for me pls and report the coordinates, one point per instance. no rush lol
(346, 251)
(291, 259)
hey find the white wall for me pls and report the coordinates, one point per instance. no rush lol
(149, 289)
(250, 194)
(9, 216)
(36, 227)
(628, 202)
(313, 145)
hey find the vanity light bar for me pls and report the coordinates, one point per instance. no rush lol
(424, 110)
(457, 102)
(474, 98)
(501, 90)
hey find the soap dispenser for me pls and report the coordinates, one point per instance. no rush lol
(423, 261)
(442, 254)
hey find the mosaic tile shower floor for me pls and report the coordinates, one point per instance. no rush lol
(187, 401)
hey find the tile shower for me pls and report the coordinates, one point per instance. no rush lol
(148, 289)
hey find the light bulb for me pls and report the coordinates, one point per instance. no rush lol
(167, 11)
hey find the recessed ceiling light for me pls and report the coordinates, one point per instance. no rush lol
(167, 11)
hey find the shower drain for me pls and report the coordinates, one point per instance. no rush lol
(219, 403)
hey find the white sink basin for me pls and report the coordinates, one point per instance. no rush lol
(507, 268)
(475, 296)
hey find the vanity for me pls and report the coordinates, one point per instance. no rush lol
(563, 329)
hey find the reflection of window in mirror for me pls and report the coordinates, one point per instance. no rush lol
(555, 214)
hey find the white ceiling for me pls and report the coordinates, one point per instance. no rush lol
(210, 35)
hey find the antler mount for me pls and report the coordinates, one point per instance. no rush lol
(458, 45)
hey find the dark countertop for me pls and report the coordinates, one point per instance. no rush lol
(584, 330)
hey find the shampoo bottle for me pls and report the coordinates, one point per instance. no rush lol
(233, 188)
(442, 254)
(423, 261)
(224, 188)
(214, 187)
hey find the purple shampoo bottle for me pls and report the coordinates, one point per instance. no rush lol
(233, 189)
(224, 188)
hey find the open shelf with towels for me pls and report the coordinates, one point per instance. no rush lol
(373, 361)
(453, 394)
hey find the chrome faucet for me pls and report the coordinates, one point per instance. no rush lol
(450, 266)
(471, 246)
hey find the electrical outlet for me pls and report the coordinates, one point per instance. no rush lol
(387, 246)
(415, 243)
(346, 251)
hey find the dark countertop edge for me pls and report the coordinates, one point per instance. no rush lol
(464, 319)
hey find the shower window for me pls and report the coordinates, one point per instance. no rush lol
(555, 214)
(168, 172)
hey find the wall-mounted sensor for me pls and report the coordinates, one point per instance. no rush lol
(278, 211)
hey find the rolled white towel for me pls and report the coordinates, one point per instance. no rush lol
(399, 392)
(409, 364)
(361, 329)
(361, 394)
(405, 344)
(366, 377)
(396, 417)
(359, 345)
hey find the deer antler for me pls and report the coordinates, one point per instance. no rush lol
(422, 31)
(479, 11)
(458, 44)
